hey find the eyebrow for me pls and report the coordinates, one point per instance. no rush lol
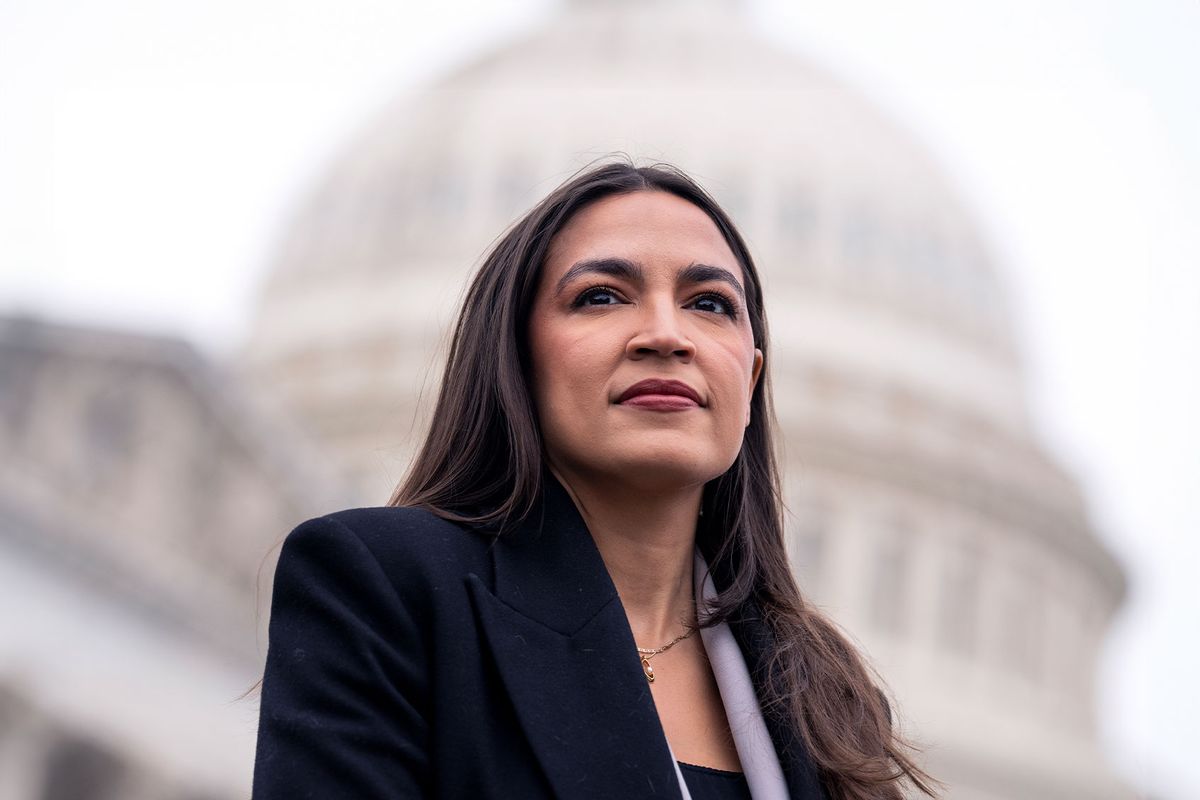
(614, 267)
(701, 273)
(632, 271)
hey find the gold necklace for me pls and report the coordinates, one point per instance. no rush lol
(648, 653)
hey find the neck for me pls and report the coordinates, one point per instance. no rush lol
(647, 542)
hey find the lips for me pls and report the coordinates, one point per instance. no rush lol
(656, 392)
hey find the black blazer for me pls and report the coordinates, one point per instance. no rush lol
(414, 657)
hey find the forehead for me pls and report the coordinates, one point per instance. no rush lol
(650, 227)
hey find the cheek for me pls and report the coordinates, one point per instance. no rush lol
(734, 383)
(568, 369)
(543, 367)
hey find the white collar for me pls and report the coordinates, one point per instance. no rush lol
(754, 747)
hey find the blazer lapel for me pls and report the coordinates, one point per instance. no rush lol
(566, 655)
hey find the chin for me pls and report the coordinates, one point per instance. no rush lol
(660, 461)
(668, 469)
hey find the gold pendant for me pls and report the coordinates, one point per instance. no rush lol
(646, 668)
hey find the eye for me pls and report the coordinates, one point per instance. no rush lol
(597, 296)
(716, 303)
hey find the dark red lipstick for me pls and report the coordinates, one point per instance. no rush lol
(656, 394)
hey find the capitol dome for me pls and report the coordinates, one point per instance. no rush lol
(926, 516)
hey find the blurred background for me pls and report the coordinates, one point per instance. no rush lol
(232, 234)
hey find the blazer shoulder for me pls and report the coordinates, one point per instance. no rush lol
(408, 543)
(390, 522)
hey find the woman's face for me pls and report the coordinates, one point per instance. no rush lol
(642, 354)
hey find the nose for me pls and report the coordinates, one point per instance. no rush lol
(661, 332)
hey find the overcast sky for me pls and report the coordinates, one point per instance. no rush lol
(150, 153)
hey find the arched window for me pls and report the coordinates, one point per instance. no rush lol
(810, 546)
(958, 605)
(861, 237)
(1021, 625)
(733, 193)
(924, 257)
(888, 587)
(109, 423)
(445, 193)
(513, 189)
(797, 213)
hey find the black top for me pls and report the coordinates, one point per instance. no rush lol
(706, 783)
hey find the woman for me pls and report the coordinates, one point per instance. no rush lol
(598, 483)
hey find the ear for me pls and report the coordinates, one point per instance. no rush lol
(755, 372)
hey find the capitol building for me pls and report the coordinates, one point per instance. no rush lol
(925, 514)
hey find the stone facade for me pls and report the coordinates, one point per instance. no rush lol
(140, 499)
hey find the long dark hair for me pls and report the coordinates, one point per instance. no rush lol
(482, 463)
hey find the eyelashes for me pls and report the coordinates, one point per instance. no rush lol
(731, 309)
(726, 305)
(595, 292)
